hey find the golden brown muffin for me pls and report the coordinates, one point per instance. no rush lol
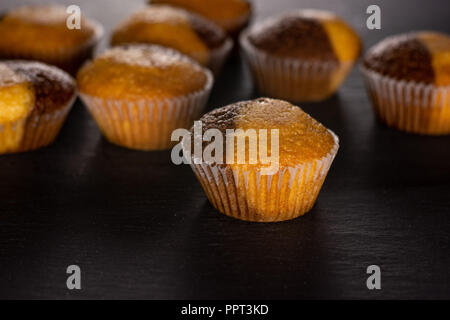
(408, 79)
(139, 94)
(41, 33)
(301, 56)
(34, 102)
(175, 28)
(232, 15)
(242, 190)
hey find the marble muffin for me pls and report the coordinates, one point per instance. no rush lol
(35, 100)
(40, 33)
(408, 80)
(300, 56)
(176, 28)
(301, 151)
(139, 94)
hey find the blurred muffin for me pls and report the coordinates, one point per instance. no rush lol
(306, 150)
(40, 33)
(232, 15)
(139, 94)
(300, 56)
(34, 102)
(408, 79)
(176, 28)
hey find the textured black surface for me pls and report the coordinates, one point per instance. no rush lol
(140, 227)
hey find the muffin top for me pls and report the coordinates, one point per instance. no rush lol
(422, 57)
(142, 72)
(223, 12)
(21, 27)
(306, 34)
(27, 86)
(301, 138)
(171, 27)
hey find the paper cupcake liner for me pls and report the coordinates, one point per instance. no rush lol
(409, 106)
(146, 124)
(42, 129)
(68, 59)
(244, 193)
(293, 79)
(219, 56)
(33, 132)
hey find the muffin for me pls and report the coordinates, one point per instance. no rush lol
(35, 99)
(40, 33)
(408, 80)
(176, 28)
(139, 94)
(231, 15)
(300, 56)
(264, 191)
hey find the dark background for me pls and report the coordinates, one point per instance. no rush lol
(141, 227)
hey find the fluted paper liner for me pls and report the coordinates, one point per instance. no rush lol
(146, 124)
(35, 131)
(293, 79)
(409, 106)
(219, 56)
(246, 194)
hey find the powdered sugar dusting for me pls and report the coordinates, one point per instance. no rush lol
(160, 14)
(9, 77)
(43, 14)
(144, 56)
(316, 14)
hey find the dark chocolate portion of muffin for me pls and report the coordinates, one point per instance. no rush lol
(211, 34)
(53, 87)
(294, 36)
(222, 119)
(402, 57)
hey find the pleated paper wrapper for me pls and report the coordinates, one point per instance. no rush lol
(409, 106)
(242, 192)
(291, 79)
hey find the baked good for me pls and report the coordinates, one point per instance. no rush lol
(302, 55)
(232, 15)
(260, 190)
(176, 28)
(35, 99)
(408, 79)
(139, 94)
(40, 32)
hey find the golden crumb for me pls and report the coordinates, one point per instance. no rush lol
(301, 138)
(163, 25)
(16, 95)
(438, 45)
(141, 72)
(34, 28)
(222, 12)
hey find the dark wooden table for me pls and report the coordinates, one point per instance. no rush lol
(141, 227)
